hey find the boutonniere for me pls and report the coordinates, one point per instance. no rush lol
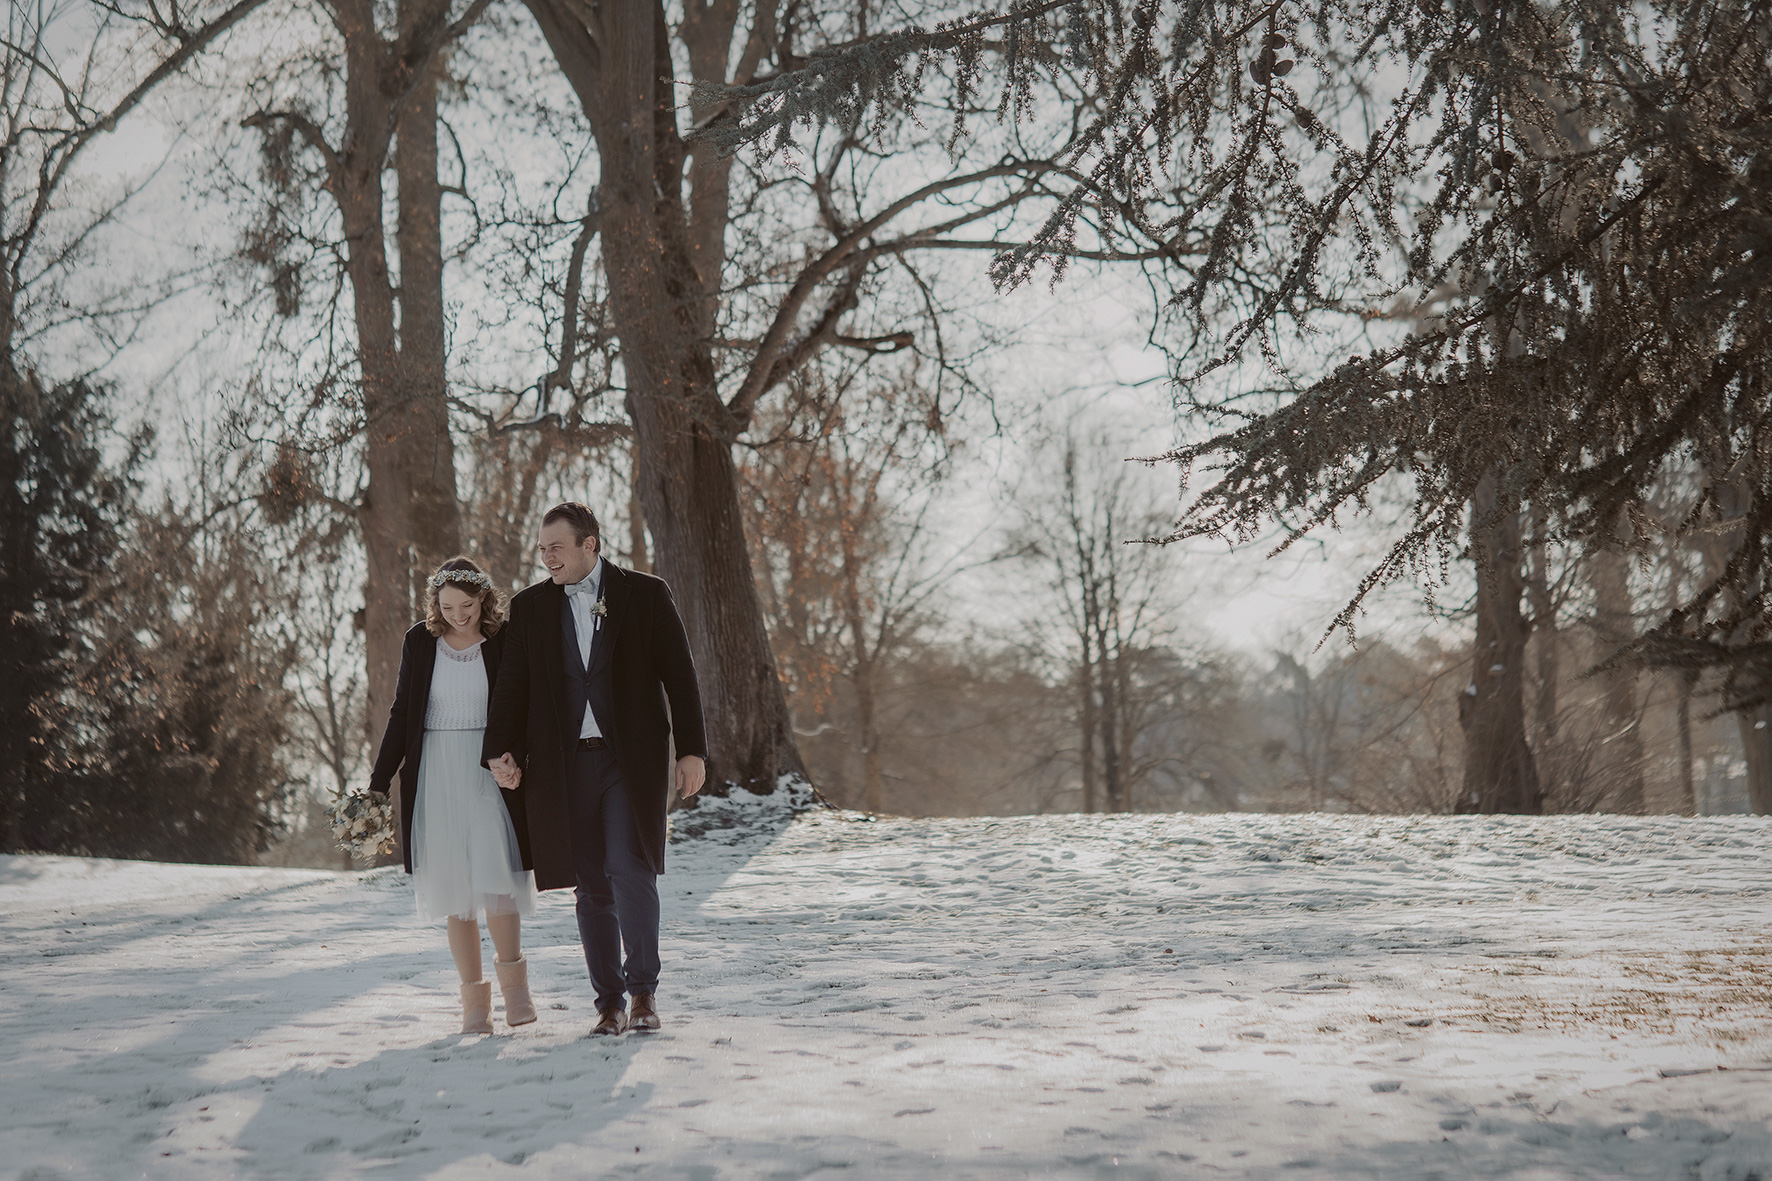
(600, 609)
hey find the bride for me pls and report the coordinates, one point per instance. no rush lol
(465, 846)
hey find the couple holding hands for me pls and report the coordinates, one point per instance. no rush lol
(534, 752)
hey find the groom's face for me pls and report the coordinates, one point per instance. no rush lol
(566, 559)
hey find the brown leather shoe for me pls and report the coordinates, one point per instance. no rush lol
(609, 1021)
(643, 1017)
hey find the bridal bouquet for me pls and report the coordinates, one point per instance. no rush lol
(363, 824)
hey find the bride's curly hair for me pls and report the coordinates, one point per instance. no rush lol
(474, 581)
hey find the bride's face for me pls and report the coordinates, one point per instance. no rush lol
(460, 610)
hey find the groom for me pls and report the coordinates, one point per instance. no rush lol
(590, 658)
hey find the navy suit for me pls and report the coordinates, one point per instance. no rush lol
(617, 892)
(596, 818)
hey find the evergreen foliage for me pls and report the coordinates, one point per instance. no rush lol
(146, 712)
(61, 513)
(1553, 220)
(187, 701)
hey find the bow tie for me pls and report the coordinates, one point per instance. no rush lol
(585, 587)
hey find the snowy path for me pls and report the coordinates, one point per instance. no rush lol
(1243, 996)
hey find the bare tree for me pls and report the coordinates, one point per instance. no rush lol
(1108, 602)
(337, 118)
(1367, 729)
(1605, 320)
(53, 110)
(708, 337)
(841, 505)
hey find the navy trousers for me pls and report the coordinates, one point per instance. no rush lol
(617, 893)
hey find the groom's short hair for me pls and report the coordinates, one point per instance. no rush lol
(580, 517)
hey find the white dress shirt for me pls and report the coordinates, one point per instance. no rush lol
(586, 625)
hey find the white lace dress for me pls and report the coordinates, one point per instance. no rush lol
(465, 860)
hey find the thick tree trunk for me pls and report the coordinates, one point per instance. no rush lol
(637, 555)
(382, 515)
(1499, 772)
(427, 449)
(689, 491)
(409, 516)
(688, 485)
(1621, 755)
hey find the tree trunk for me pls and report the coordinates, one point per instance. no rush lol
(1688, 785)
(1499, 772)
(410, 517)
(1544, 632)
(1621, 758)
(427, 449)
(1086, 693)
(382, 514)
(688, 485)
(636, 516)
(689, 492)
(1688, 682)
(1756, 744)
(1110, 747)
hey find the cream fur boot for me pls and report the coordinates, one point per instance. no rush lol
(476, 1007)
(513, 982)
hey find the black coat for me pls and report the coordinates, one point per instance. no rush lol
(404, 740)
(648, 666)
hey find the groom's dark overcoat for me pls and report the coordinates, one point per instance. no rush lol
(639, 662)
(404, 740)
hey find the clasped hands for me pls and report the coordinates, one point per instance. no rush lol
(505, 771)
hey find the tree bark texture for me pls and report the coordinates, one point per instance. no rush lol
(616, 57)
(1500, 774)
(409, 516)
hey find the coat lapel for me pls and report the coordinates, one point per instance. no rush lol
(424, 664)
(615, 601)
(551, 642)
(489, 653)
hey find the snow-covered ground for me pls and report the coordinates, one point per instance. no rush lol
(1245, 996)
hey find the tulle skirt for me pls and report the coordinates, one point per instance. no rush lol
(465, 860)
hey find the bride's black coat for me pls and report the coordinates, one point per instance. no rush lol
(648, 664)
(404, 740)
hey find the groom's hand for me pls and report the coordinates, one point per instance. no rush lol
(691, 774)
(505, 771)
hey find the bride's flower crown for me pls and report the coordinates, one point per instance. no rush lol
(461, 577)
